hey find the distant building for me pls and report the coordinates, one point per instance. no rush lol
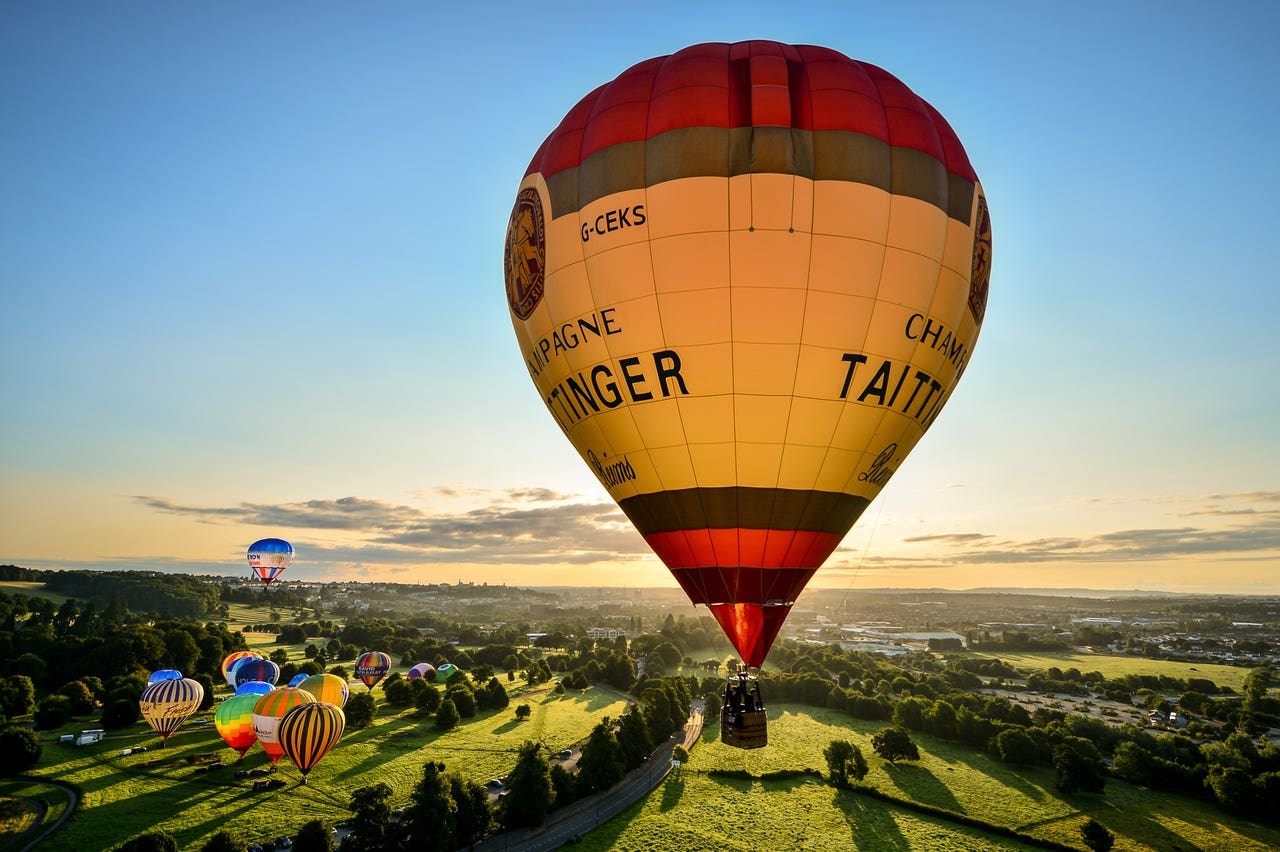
(605, 632)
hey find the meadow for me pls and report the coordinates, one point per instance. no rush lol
(1118, 666)
(697, 810)
(162, 789)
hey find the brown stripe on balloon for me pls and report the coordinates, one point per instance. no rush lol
(746, 508)
(727, 152)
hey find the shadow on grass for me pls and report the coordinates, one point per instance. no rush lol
(672, 790)
(870, 826)
(918, 783)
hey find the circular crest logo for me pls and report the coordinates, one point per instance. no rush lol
(981, 277)
(526, 254)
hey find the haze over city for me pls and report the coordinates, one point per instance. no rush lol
(251, 285)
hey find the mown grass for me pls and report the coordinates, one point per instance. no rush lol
(31, 590)
(1114, 667)
(124, 796)
(803, 813)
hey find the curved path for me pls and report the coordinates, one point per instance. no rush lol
(33, 836)
(597, 809)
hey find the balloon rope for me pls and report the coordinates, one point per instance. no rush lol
(865, 549)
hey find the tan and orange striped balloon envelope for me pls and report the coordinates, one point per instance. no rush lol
(745, 278)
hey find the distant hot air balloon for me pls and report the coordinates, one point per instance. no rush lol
(234, 721)
(229, 662)
(444, 670)
(269, 557)
(166, 704)
(745, 278)
(309, 731)
(164, 674)
(255, 669)
(426, 671)
(327, 687)
(372, 667)
(297, 679)
(268, 713)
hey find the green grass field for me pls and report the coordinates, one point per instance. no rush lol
(124, 796)
(1112, 667)
(802, 813)
(31, 590)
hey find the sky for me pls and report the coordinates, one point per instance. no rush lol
(251, 285)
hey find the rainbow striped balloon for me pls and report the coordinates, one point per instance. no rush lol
(373, 667)
(166, 704)
(327, 687)
(309, 731)
(268, 713)
(234, 721)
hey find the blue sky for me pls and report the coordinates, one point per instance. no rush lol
(251, 284)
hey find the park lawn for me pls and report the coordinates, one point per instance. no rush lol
(124, 796)
(13, 821)
(1115, 666)
(16, 816)
(948, 775)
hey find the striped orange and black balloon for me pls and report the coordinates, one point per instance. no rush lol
(309, 731)
(745, 278)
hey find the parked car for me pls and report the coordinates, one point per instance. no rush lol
(566, 753)
(283, 842)
(494, 784)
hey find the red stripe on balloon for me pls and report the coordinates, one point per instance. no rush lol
(749, 548)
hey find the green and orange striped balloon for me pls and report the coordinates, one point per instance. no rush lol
(745, 278)
(309, 731)
(270, 710)
(166, 704)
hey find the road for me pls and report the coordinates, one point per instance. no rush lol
(33, 835)
(595, 810)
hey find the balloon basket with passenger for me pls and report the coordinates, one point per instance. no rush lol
(743, 720)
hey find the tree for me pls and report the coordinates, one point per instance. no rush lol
(463, 699)
(894, 744)
(314, 836)
(80, 696)
(845, 762)
(53, 711)
(17, 696)
(19, 750)
(523, 711)
(360, 710)
(1079, 766)
(120, 713)
(633, 737)
(472, 816)
(428, 701)
(600, 766)
(447, 715)
(1096, 836)
(529, 784)
(152, 841)
(680, 755)
(430, 819)
(1014, 746)
(224, 841)
(371, 827)
(397, 692)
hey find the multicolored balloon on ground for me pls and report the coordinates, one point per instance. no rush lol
(255, 668)
(166, 704)
(372, 667)
(229, 662)
(270, 711)
(327, 688)
(269, 557)
(164, 674)
(426, 671)
(745, 278)
(234, 721)
(308, 732)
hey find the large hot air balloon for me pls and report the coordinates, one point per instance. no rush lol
(229, 663)
(254, 668)
(308, 731)
(269, 557)
(372, 667)
(268, 713)
(166, 704)
(745, 278)
(327, 687)
(234, 721)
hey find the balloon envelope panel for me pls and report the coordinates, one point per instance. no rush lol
(745, 278)
(164, 674)
(255, 668)
(168, 703)
(327, 688)
(234, 721)
(268, 713)
(309, 731)
(422, 670)
(229, 662)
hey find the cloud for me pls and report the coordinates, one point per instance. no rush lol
(949, 538)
